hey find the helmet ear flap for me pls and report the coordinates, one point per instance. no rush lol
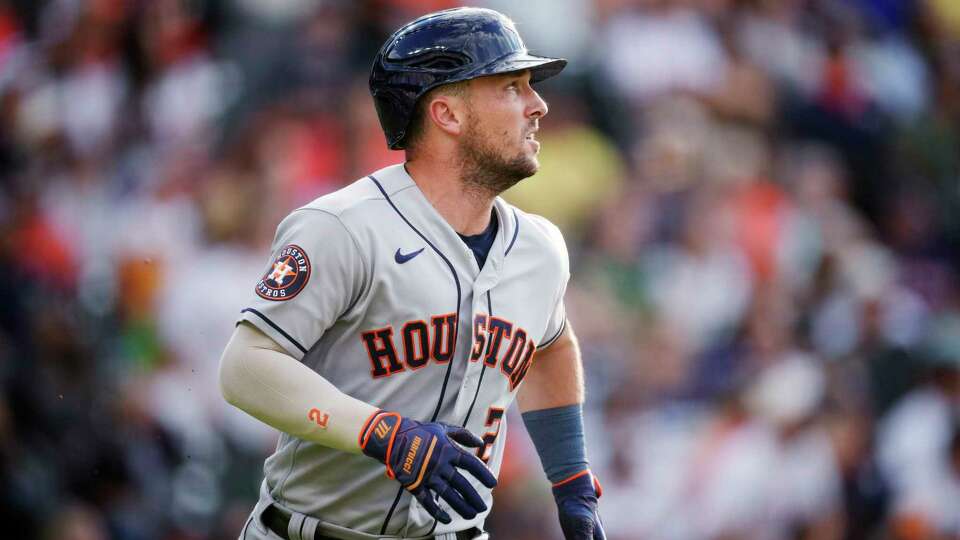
(389, 105)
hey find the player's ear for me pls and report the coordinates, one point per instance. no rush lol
(447, 113)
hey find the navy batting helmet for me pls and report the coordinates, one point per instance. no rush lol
(446, 47)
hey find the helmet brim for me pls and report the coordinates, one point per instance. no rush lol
(541, 67)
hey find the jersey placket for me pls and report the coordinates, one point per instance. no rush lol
(468, 405)
(472, 403)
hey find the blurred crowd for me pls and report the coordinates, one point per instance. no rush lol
(761, 197)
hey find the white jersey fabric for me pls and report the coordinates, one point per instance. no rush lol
(371, 288)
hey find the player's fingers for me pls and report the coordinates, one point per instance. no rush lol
(467, 491)
(431, 506)
(474, 466)
(464, 437)
(577, 527)
(457, 502)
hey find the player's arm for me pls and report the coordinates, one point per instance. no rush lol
(551, 402)
(259, 377)
(556, 378)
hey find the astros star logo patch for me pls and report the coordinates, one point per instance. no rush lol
(287, 276)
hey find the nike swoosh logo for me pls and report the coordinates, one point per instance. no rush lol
(402, 258)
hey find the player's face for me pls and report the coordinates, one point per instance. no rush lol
(499, 145)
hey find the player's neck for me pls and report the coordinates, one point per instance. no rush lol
(466, 209)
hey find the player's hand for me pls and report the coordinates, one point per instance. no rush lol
(577, 507)
(423, 458)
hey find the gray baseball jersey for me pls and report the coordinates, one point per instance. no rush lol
(371, 288)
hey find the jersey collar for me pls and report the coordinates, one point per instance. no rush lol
(413, 204)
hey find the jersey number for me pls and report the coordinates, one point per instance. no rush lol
(494, 415)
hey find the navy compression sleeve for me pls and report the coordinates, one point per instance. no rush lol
(557, 434)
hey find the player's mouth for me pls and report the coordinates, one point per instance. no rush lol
(531, 138)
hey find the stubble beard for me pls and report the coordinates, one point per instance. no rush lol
(485, 169)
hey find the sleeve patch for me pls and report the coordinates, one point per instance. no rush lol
(287, 276)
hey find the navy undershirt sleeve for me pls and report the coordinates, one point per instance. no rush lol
(557, 434)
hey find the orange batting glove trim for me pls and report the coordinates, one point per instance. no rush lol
(423, 468)
(373, 426)
(596, 482)
(572, 478)
(393, 437)
(365, 430)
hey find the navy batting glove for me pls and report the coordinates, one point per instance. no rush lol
(424, 459)
(577, 507)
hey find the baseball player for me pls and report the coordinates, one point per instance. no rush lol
(399, 317)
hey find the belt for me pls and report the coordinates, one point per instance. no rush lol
(278, 519)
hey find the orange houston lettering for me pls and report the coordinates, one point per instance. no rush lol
(479, 336)
(444, 340)
(382, 352)
(497, 330)
(498, 342)
(416, 344)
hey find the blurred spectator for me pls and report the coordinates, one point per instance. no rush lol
(917, 444)
(659, 48)
(76, 523)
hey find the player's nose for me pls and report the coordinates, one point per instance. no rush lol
(536, 106)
